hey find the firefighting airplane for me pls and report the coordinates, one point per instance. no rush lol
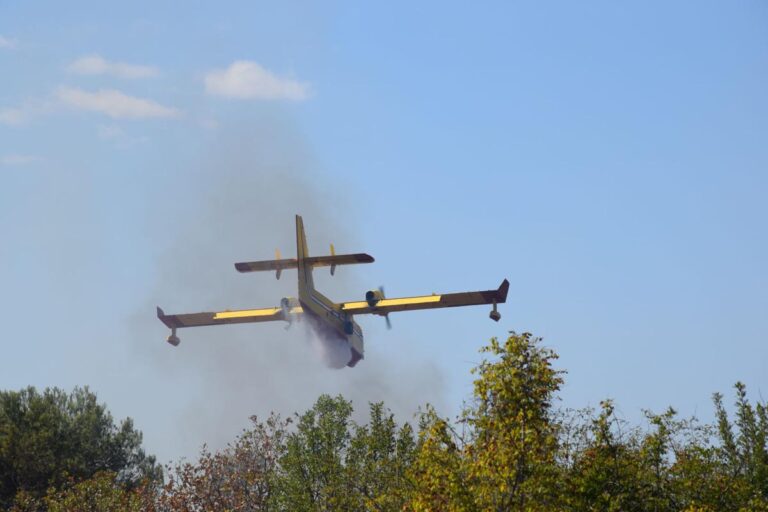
(327, 318)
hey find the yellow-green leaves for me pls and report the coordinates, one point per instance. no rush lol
(505, 459)
(513, 435)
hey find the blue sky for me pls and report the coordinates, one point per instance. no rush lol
(609, 159)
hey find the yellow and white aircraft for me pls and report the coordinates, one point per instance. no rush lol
(327, 318)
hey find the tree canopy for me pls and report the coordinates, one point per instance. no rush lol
(51, 438)
(511, 449)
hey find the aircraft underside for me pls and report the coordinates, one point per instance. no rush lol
(332, 337)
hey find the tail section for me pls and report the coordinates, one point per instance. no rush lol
(306, 284)
(303, 261)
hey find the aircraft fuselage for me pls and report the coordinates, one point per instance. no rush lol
(329, 325)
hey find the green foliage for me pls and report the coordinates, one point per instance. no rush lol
(520, 454)
(52, 438)
(100, 493)
(514, 435)
(623, 468)
(511, 449)
(607, 474)
(743, 453)
(505, 459)
(439, 471)
(313, 463)
(378, 459)
(331, 463)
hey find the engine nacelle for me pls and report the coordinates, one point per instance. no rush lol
(372, 297)
(287, 307)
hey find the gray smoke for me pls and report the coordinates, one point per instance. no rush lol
(238, 204)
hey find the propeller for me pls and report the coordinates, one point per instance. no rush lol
(386, 317)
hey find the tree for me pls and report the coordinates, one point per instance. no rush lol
(53, 438)
(509, 450)
(439, 471)
(605, 474)
(240, 477)
(100, 493)
(514, 435)
(313, 474)
(378, 459)
(744, 454)
(506, 457)
(331, 463)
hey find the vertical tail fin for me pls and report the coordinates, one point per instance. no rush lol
(306, 285)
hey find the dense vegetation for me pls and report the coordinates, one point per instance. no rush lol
(50, 439)
(511, 449)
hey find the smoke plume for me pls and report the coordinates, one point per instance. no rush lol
(239, 204)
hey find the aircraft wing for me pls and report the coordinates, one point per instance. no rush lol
(258, 266)
(226, 317)
(386, 306)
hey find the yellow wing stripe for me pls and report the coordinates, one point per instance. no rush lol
(245, 313)
(354, 305)
(251, 313)
(393, 302)
(409, 300)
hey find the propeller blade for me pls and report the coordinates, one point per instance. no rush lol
(386, 317)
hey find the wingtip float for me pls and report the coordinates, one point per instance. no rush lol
(329, 319)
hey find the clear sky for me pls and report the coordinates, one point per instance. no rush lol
(610, 159)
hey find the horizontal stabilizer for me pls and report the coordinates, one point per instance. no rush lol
(339, 259)
(259, 266)
(314, 261)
